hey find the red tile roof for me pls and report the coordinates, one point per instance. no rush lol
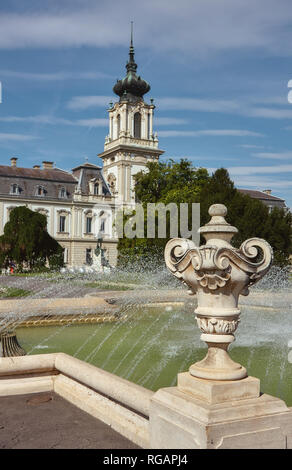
(53, 174)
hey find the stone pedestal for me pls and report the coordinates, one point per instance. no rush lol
(205, 414)
(216, 405)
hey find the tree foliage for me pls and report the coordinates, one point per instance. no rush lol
(26, 241)
(179, 182)
(164, 182)
(250, 216)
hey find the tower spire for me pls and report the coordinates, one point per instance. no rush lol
(132, 87)
(131, 33)
(131, 65)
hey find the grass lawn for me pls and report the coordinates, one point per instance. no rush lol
(108, 286)
(9, 292)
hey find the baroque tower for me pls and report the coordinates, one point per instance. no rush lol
(131, 142)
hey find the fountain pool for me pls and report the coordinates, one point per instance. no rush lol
(150, 345)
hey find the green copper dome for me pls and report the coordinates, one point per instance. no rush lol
(132, 87)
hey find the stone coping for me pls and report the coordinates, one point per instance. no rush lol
(113, 400)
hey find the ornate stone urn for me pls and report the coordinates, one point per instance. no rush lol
(218, 273)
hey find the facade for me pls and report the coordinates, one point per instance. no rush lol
(80, 206)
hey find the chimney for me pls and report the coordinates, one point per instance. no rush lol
(47, 165)
(13, 161)
(36, 167)
(267, 191)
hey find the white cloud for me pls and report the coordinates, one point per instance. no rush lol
(211, 132)
(247, 107)
(91, 122)
(270, 113)
(257, 170)
(198, 104)
(167, 121)
(53, 120)
(274, 155)
(78, 103)
(54, 76)
(196, 27)
(260, 183)
(16, 137)
(250, 146)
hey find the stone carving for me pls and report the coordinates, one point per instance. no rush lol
(215, 325)
(218, 273)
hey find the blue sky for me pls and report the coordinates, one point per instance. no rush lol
(218, 70)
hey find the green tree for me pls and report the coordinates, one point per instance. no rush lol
(26, 241)
(251, 217)
(180, 182)
(164, 182)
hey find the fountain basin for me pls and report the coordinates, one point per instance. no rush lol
(150, 346)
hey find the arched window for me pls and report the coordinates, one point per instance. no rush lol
(14, 189)
(118, 125)
(63, 193)
(137, 125)
(95, 189)
(40, 191)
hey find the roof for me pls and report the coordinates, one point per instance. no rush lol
(87, 165)
(53, 174)
(260, 195)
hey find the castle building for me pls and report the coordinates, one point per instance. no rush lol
(80, 205)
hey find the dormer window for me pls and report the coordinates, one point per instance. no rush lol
(15, 189)
(96, 186)
(40, 191)
(63, 193)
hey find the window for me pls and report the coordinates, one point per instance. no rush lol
(96, 189)
(137, 125)
(102, 225)
(40, 191)
(15, 189)
(62, 223)
(118, 125)
(63, 193)
(88, 224)
(88, 258)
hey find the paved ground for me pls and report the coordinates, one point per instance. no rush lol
(47, 421)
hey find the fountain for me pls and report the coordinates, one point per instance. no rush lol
(216, 404)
